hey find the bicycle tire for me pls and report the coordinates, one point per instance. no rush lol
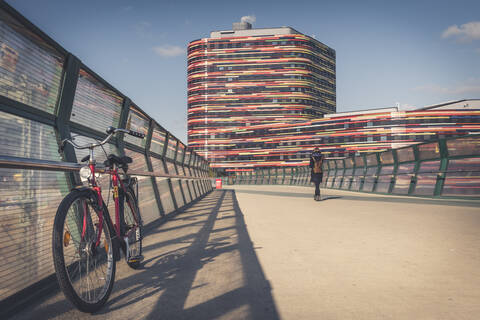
(77, 219)
(133, 220)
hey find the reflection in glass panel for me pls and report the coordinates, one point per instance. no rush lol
(427, 178)
(371, 159)
(404, 175)
(28, 203)
(405, 154)
(338, 182)
(180, 152)
(384, 179)
(171, 148)
(359, 162)
(138, 122)
(30, 69)
(386, 157)
(27, 139)
(464, 146)
(428, 151)
(463, 178)
(339, 163)
(95, 105)
(369, 181)
(186, 159)
(158, 140)
(349, 163)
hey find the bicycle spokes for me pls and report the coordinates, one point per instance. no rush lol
(86, 262)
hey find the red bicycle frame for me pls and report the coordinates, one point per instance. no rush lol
(115, 179)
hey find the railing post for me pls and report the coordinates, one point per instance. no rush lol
(170, 186)
(150, 167)
(122, 123)
(64, 111)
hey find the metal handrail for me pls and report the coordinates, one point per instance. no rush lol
(49, 165)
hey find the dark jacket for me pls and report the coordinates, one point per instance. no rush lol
(315, 177)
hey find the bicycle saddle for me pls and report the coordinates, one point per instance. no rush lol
(120, 161)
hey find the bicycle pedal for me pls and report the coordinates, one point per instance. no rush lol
(135, 259)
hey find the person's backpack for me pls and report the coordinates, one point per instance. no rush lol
(317, 166)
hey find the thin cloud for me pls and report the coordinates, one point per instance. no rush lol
(465, 33)
(169, 51)
(477, 50)
(249, 19)
(143, 29)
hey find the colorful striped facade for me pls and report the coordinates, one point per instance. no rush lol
(289, 144)
(243, 81)
(266, 97)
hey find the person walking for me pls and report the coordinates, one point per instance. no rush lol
(316, 175)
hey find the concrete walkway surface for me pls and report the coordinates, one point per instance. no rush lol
(272, 252)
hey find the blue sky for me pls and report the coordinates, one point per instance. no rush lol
(414, 53)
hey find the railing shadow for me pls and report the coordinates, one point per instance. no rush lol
(188, 273)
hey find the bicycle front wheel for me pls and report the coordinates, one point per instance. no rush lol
(83, 251)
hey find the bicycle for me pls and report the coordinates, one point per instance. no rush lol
(85, 242)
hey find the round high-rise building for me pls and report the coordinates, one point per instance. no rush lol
(242, 78)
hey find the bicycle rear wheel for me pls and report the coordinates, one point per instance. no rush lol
(133, 230)
(83, 257)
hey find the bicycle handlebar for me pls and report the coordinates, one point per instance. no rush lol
(110, 130)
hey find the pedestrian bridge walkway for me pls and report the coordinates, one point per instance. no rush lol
(272, 252)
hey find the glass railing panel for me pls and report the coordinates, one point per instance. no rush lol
(180, 152)
(339, 163)
(405, 154)
(330, 178)
(468, 146)
(462, 178)
(177, 193)
(426, 178)
(347, 178)
(158, 140)
(349, 163)
(95, 106)
(28, 203)
(171, 148)
(403, 178)
(370, 178)
(24, 138)
(386, 157)
(30, 69)
(384, 179)
(138, 122)
(359, 162)
(429, 151)
(357, 179)
(146, 197)
(162, 186)
(371, 159)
